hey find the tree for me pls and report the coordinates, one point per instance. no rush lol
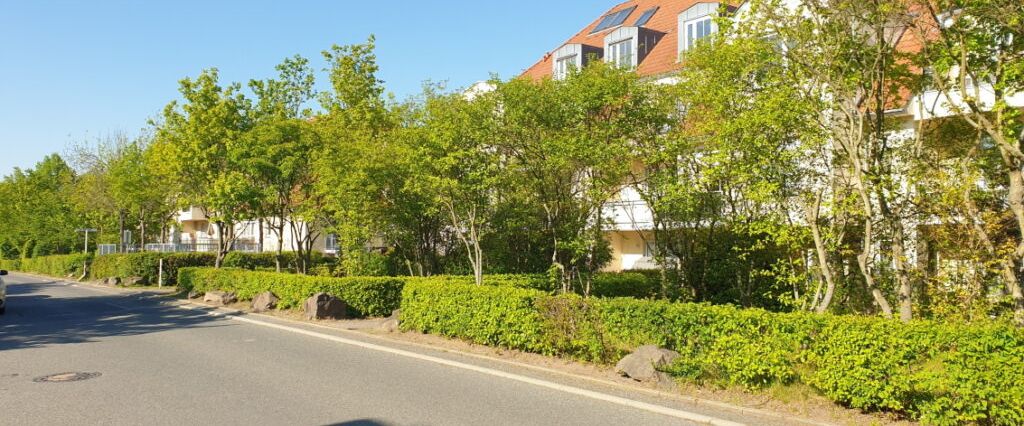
(278, 152)
(196, 137)
(972, 52)
(38, 216)
(462, 168)
(565, 141)
(728, 184)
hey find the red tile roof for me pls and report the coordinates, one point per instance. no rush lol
(661, 60)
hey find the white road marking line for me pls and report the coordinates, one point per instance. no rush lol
(671, 412)
(680, 414)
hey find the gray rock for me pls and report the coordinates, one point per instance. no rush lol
(642, 365)
(325, 306)
(194, 294)
(391, 324)
(264, 302)
(112, 281)
(220, 298)
(134, 281)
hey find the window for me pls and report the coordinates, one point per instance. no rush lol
(613, 19)
(650, 250)
(645, 17)
(564, 65)
(331, 242)
(621, 53)
(697, 29)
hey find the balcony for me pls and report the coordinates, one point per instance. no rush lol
(191, 214)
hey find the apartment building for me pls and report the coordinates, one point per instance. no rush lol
(650, 37)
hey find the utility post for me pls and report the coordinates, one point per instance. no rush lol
(86, 231)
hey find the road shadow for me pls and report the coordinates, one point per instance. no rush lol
(46, 313)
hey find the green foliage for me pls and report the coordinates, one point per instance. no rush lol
(8, 250)
(147, 265)
(625, 284)
(61, 266)
(496, 316)
(371, 296)
(256, 261)
(37, 216)
(939, 373)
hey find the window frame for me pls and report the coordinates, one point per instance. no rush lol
(616, 58)
(569, 61)
(691, 25)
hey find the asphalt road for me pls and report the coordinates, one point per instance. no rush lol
(162, 364)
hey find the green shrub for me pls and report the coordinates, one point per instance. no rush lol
(371, 296)
(939, 373)
(488, 315)
(624, 284)
(529, 281)
(268, 261)
(61, 266)
(147, 265)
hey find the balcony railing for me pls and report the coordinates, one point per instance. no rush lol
(200, 247)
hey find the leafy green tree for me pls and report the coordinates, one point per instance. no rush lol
(565, 141)
(973, 55)
(196, 137)
(461, 167)
(38, 215)
(278, 152)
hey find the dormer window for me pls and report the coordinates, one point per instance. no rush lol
(620, 53)
(626, 47)
(697, 23)
(572, 57)
(565, 65)
(697, 29)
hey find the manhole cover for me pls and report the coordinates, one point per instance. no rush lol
(66, 377)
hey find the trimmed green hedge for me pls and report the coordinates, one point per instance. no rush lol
(61, 266)
(147, 265)
(938, 373)
(371, 296)
(267, 260)
(624, 284)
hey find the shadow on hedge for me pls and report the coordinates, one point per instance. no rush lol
(36, 319)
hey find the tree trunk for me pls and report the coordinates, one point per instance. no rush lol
(824, 265)
(279, 258)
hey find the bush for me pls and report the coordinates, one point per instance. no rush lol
(939, 373)
(370, 296)
(624, 284)
(488, 315)
(147, 265)
(268, 261)
(61, 266)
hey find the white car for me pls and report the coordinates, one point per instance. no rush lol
(3, 293)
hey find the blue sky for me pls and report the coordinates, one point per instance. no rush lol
(76, 70)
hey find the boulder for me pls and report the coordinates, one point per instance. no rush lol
(325, 306)
(264, 302)
(112, 281)
(391, 324)
(643, 364)
(134, 281)
(194, 294)
(219, 298)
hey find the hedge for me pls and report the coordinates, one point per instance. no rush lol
(618, 284)
(267, 260)
(370, 296)
(62, 266)
(934, 372)
(147, 265)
